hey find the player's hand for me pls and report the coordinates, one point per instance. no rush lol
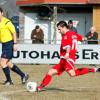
(66, 56)
(15, 47)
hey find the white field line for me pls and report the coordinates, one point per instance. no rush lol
(3, 95)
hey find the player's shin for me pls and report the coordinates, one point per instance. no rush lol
(17, 70)
(45, 81)
(7, 73)
(82, 71)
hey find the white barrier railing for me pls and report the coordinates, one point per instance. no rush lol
(50, 41)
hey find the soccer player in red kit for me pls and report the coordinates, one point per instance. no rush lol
(68, 50)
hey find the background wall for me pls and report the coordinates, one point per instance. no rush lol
(82, 22)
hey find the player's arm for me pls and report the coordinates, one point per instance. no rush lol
(13, 32)
(14, 38)
(79, 37)
(67, 48)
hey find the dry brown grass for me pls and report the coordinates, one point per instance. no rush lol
(86, 87)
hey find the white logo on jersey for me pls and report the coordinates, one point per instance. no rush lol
(74, 42)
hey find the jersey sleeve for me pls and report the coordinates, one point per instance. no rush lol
(79, 37)
(11, 27)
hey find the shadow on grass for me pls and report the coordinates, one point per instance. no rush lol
(51, 89)
(55, 90)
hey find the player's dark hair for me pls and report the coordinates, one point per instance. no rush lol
(62, 24)
(1, 10)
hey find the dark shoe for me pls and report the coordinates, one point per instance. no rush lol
(98, 70)
(25, 78)
(8, 83)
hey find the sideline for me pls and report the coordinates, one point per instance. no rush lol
(3, 95)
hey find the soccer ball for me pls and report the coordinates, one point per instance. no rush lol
(31, 86)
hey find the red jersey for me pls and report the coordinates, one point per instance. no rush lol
(69, 39)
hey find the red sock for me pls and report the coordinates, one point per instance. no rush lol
(81, 71)
(46, 80)
(77, 72)
(93, 70)
(84, 71)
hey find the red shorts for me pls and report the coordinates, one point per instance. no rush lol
(64, 65)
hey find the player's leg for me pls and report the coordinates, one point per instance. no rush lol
(55, 70)
(47, 79)
(7, 53)
(79, 71)
(5, 56)
(82, 71)
(3, 64)
(16, 69)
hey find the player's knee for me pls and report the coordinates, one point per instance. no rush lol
(52, 72)
(72, 73)
(3, 64)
